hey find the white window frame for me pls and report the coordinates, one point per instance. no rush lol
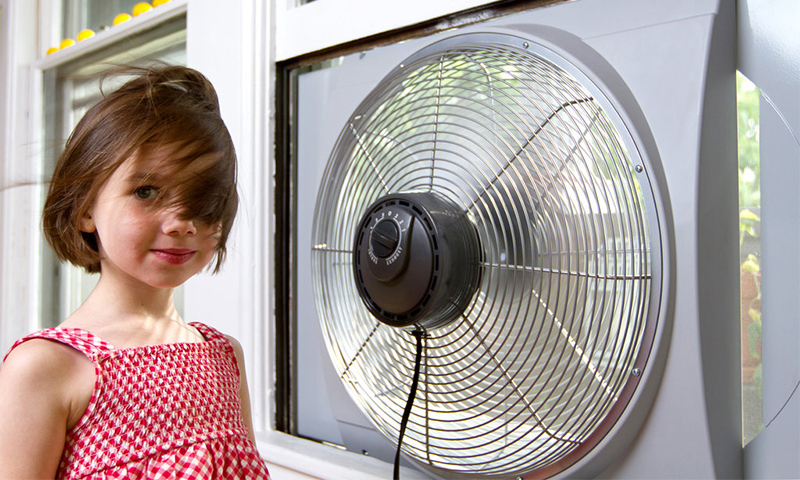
(363, 18)
(18, 172)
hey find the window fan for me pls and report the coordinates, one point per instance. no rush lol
(497, 194)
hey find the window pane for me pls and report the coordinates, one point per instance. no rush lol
(78, 15)
(750, 255)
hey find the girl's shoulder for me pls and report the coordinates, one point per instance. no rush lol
(41, 356)
(45, 387)
(49, 356)
(39, 369)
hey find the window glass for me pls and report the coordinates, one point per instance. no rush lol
(321, 408)
(750, 254)
(78, 15)
(70, 90)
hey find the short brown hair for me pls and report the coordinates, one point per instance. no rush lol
(164, 106)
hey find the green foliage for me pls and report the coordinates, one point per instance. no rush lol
(751, 265)
(754, 334)
(757, 380)
(747, 100)
(747, 224)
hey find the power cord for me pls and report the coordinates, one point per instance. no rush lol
(418, 334)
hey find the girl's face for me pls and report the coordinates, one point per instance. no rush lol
(144, 240)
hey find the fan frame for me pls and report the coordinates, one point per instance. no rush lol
(595, 74)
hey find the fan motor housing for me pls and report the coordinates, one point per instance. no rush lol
(416, 260)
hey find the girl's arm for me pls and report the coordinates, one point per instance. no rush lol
(244, 393)
(42, 394)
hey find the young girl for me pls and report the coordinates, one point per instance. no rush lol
(144, 194)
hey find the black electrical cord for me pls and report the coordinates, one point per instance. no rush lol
(418, 334)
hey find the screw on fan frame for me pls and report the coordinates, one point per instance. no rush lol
(416, 260)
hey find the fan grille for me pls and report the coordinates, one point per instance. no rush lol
(547, 345)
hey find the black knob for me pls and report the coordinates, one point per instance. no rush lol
(384, 238)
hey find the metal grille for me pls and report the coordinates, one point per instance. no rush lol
(528, 147)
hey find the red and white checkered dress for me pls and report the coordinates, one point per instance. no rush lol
(159, 412)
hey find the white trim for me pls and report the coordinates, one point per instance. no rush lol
(255, 153)
(238, 300)
(18, 202)
(325, 23)
(49, 26)
(263, 133)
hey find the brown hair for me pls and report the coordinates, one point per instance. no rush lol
(161, 107)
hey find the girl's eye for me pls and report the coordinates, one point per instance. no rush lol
(146, 193)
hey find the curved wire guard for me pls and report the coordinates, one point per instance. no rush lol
(548, 342)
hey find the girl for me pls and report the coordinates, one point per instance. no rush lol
(144, 194)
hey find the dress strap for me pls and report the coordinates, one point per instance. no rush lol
(209, 333)
(81, 340)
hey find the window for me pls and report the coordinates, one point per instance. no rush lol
(97, 15)
(748, 97)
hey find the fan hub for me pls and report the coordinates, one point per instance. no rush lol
(416, 260)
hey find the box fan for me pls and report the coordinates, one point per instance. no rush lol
(517, 235)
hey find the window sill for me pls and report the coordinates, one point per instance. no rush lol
(295, 457)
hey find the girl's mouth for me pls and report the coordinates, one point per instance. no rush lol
(174, 256)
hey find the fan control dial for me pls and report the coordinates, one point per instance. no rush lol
(385, 238)
(389, 244)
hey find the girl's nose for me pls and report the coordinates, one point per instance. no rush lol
(173, 224)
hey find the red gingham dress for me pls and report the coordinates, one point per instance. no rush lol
(167, 411)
